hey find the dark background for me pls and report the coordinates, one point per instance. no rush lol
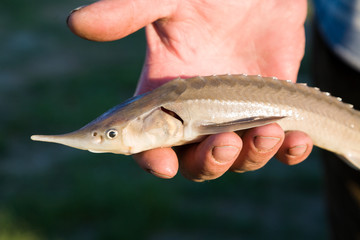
(54, 82)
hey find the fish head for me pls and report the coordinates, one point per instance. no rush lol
(115, 134)
(94, 137)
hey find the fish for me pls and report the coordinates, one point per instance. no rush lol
(184, 111)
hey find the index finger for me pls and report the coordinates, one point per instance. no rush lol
(161, 162)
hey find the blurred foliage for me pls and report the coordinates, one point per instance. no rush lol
(53, 82)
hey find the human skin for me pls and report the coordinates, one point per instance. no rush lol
(188, 38)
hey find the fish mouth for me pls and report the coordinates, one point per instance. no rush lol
(95, 151)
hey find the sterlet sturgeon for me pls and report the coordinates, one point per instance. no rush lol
(183, 111)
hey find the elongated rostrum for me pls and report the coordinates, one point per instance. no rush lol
(183, 111)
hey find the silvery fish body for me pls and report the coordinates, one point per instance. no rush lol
(184, 110)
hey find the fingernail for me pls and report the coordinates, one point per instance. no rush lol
(158, 174)
(76, 9)
(265, 143)
(224, 154)
(298, 150)
(72, 11)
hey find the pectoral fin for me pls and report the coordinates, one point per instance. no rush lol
(236, 125)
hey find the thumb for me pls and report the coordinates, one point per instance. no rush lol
(109, 20)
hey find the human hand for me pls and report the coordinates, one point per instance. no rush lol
(188, 38)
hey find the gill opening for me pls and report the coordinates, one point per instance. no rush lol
(173, 114)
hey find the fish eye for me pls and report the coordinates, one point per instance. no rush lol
(111, 133)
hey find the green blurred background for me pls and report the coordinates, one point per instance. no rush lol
(53, 82)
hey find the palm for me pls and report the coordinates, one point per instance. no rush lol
(218, 39)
